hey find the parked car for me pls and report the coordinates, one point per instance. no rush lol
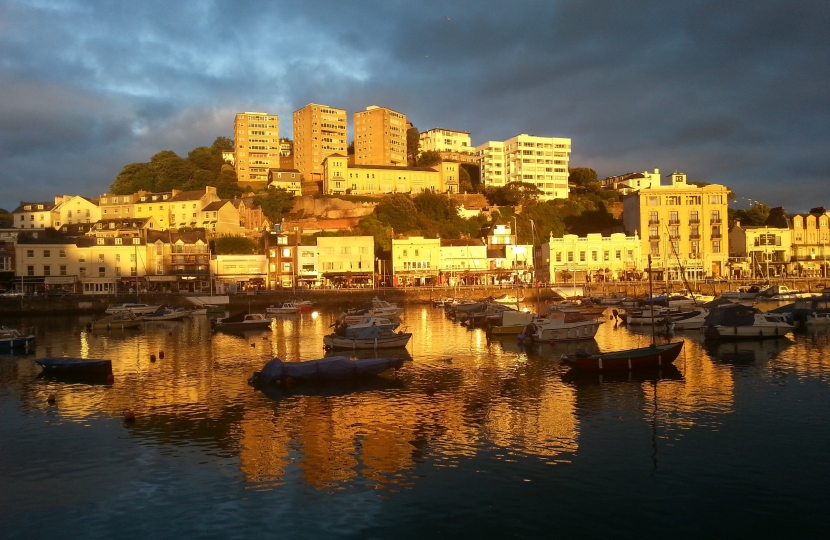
(59, 293)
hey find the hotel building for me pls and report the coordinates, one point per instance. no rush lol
(340, 178)
(379, 137)
(256, 139)
(319, 131)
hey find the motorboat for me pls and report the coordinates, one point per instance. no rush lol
(74, 366)
(507, 299)
(781, 293)
(370, 338)
(168, 314)
(650, 357)
(344, 329)
(563, 326)
(812, 311)
(242, 322)
(12, 339)
(116, 321)
(286, 308)
(512, 323)
(333, 368)
(304, 305)
(208, 309)
(738, 321)
(382, 308)
(132, 307)
(441, 302)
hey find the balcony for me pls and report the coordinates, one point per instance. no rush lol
(674, 222)
(715, 221)
(694, 221)
(654, 222)
(694, 237)
(654, 237)
(716, 235)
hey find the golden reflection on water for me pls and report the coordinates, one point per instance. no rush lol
(497, 396)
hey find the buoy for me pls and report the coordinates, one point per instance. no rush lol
(51, 399)
(430, 389)
(110, 378)
(170, 333)
(161, 355)
(129, 415)
(152, 358)
(253, 344)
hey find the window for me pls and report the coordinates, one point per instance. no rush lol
(81, 257)
(715, 246)
(655, 249)
(618, 254)
(570, 256)
(102, 271)
(100, 241)
(653, 201)
(30, 270)
(62, 254)
(558, 256)
(118, 271)
(594, 256)
(47, 270)
(581, 256)
(47, 253)
(117, 257)
(30, 253)
(136, 241)
(100, 257)
(63, 270)
(82, 271)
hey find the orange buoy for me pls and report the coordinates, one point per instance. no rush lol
(110, 378)
(161, 355)
(51, 399)
(129, 415)
(152, 358)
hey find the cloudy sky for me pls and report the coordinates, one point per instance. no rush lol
(730, 92)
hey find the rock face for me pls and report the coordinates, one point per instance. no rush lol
(330, 208)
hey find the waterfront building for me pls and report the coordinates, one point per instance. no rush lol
(415, 260)
(237, 273)
(178, 261)
(450, 144)
(33, 215)
(592, 258)
(463, 262)
(541, 161)
(291, 180)
(319, 131)
(256, 139)
(759, 251)
(626, 183)
(308, 275)
(681, 226)
(124, 228)
(811, 235)
(346, 260)
(281, 250)
(379, 137)
(185, 206)
(74, 209)
(341, 178)
(507, 260)
(91, 265)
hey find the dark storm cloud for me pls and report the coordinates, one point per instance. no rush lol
(730, 92)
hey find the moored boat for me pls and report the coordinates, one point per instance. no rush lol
(334, 368)
(653, 356)
(242, 322)
(132, 307)
(119, 320)
(12, 339)
(286, 308)
(563, 326)
(812, 311)
(371, 338)
(74, 366)
(167, 314)
(744, 322)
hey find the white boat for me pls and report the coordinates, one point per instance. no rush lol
(382, 308)
(812, 311)
(781, 293)
(564, 326)
(286, 308)
(13, 339)
(375, 338)
(242, 322)
(744, 322)
(118, 320)
(132, 307)
(167, 314)
(507, 299)
(345, 329)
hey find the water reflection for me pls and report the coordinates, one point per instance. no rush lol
(497, 396)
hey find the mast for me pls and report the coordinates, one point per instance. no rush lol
(651, 294)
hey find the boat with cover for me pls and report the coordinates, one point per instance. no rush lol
(744, 322)
(74, 366)
(812, 311)
(369, 338)
(241, 322)
(334, 368)
(563, 326)
(168, 314)
(781, 293)
(512, 323)
(132, 307)
(12, 339)
(119, 320)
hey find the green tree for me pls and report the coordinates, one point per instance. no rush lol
(474, 173)
(207, 159)
(6, 217)
(512, 194)
(582, 176)
(223, 144)
(397, 211)
(275, 203)
(236, 245)
(413, 145)
(428, 159)
(754, 216)
(350, 149)
(134, 177)
(372, 226)
(465, 183)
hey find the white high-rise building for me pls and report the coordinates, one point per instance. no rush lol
(541, 161)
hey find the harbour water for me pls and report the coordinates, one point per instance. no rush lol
(734, 442)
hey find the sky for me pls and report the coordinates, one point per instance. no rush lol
(736, 93)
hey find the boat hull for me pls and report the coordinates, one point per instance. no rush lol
(651, 357)
(745, 332)
(335, 368)
(578, 332)
(74, 366)
(333, 341)
(241, 327)
(18, 343)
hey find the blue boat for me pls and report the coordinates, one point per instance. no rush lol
(74, 366)
(333, 368)
(14, 340)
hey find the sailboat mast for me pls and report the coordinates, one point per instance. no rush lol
(651, 296)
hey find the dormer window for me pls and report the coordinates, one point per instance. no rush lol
(136, 241)
(100, 241)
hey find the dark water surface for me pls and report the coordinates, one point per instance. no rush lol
(735, 442)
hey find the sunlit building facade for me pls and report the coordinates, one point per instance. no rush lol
(415, 260)
(319, 131)
(573, 259)
(256, 139)
(341, 178)
(379, 137)
(540, 161)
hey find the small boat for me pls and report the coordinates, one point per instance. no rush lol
(241, 322)
(812, 311)
(286, 308)
(132, 307)
(74, 366)
(512, 323)
(653, 356)
(167, 314)
(562, 326)
(304, 305)
(351, 330)
(382, 308)
(744, 322)
(507, 299)
(442, 302)
(371, 338)
(208, 309)
(781, 293)
(742, 293)
(12, 339)
(334, 368)
(119, 320)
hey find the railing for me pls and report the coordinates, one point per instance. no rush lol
(717, 235)
(674, 222)
(654, 237)
(654, 222)
(694, 222)
(694, 237)
(715, 221)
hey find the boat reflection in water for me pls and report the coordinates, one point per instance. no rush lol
(746, 352)
(667, 372)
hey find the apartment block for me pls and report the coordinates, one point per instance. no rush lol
(340, 178)
(256, 137)
(74, 209)
(463, 262)
(450, 144)
(759, 251)
(541, 161)
(491, 164)
(682, 226)
(380, 137)
(33, 215)
(811, 235)
(319, 131)
(572, 259)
